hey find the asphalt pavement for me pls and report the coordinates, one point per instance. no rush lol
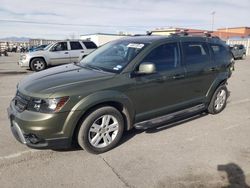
(203, 151)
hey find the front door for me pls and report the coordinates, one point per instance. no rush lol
(59, 54)
(163, 91)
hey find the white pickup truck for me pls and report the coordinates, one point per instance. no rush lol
(57, 53)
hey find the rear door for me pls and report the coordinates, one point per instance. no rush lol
(76, 49)
(59, 54)
(201, 70)
(90, 46)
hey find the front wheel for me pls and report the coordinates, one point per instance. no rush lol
(37, 64)
(219, 100)
(101, 130)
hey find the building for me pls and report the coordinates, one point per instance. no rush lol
(242, 32)
(37, 42)
(169, 31)
(101, 38)
(223, 33)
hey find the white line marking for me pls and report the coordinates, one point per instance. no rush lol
(15, 155)
(6, 96)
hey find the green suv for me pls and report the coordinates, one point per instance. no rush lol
(133, 82)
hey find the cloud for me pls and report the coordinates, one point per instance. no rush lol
(65, 18)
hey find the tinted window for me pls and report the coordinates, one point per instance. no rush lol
(164, 57)
(195, 52)
(75, 46)
(61, 46)
(219, 51)
(241, 47)
(90, 45)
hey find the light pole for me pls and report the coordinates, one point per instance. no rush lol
(213, 13)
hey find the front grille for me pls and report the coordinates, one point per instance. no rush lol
(21, 101)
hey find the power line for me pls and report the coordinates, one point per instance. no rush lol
(93, 25)
(68, 24)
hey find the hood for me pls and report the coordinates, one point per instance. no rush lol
(36, 53)
(45, 83)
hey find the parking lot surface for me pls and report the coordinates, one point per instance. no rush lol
(203, 151)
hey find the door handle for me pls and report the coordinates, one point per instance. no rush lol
(66, 52)
(212, 69)
(178, 76)
(82, 51)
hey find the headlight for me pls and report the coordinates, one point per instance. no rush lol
(47, 105)
(23, 57)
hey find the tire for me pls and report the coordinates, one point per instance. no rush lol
(219, 100)
(38, 64)
(243, 56)
(94, 137)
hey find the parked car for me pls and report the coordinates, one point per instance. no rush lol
(3, 52)
(130, 83)
(23, 49)
(37, 48)
(14, 49)
(3, 49)
(56, 54)
(238, 51)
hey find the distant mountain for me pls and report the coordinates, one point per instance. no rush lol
(15, 39)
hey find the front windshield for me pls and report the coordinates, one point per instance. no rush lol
(47, 47)
(114, 56)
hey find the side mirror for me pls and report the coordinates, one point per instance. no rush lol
(147, 68)
(53, 49)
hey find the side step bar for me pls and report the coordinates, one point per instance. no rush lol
(156, 121)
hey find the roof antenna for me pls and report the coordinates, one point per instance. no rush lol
(208, 33)
(184, 32)
(149, 32)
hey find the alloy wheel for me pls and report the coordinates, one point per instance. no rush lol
(103, 131)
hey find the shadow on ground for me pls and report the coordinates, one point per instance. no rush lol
(157, 127)
(235, 175)
(160, 127)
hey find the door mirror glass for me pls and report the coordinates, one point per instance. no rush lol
(147, 68)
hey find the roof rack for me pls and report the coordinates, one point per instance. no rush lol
(186, 32)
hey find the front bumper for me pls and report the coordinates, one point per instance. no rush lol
(23, 62)
(38, 130)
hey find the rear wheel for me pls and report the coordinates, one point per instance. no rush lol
(38, 64)
(101, 130)
(243, 56)
(219, 100)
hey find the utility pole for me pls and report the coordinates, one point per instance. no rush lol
(213, 13)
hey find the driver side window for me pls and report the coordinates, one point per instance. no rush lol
(165, 57)
(60, 46)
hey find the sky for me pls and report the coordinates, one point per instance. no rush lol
(60, 19)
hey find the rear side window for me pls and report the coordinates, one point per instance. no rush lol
(75, 46)
(195, 52)
(164, 57)
(219, 51)
(241, 47)
(90, 45)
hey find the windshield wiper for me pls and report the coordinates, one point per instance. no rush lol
(93, 67)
